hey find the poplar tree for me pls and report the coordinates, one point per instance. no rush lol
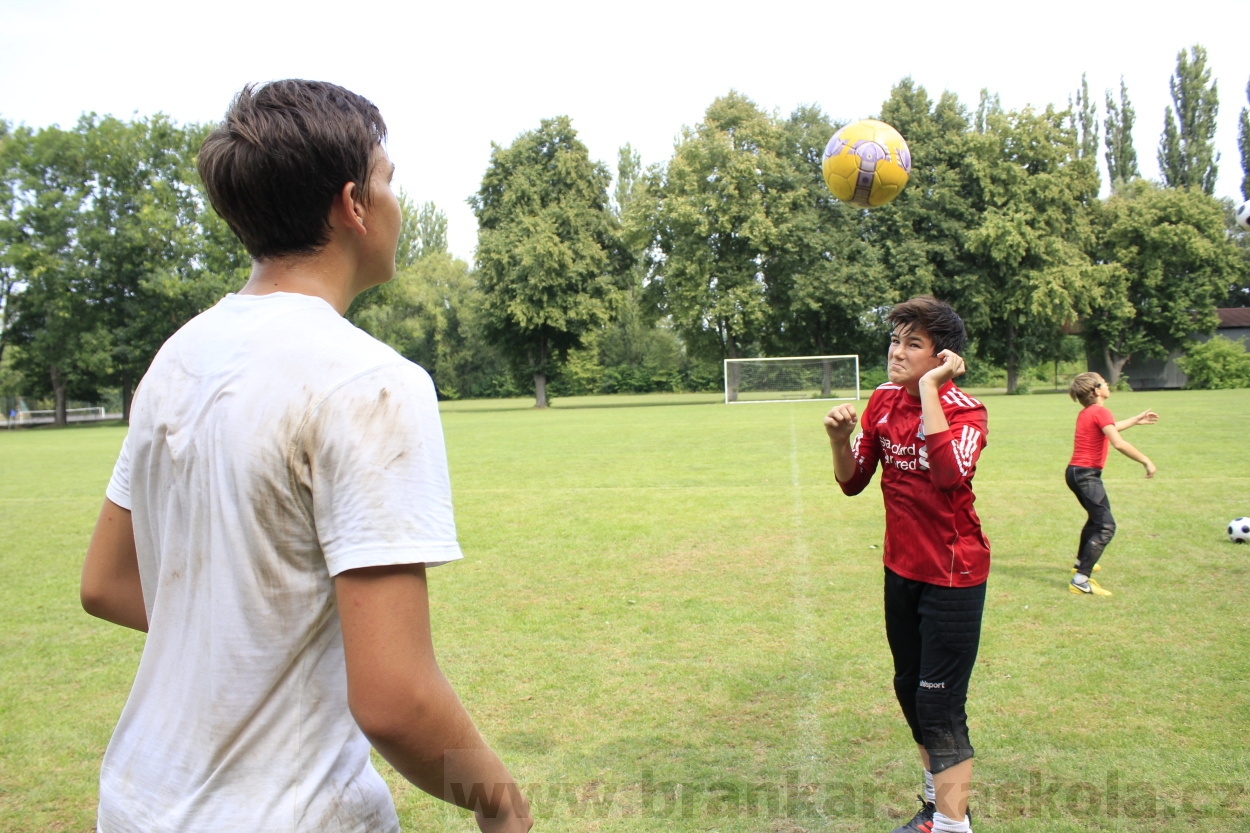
(8, 207)
(1121, 155)
(633, 353)
(422, 231)
(1187, 155)
(1084, 121)
(1243, 144)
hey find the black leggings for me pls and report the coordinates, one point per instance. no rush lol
(1086, 484)
(934, 633)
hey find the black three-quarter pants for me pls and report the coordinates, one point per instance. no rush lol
(934, 633)
(1086, 484)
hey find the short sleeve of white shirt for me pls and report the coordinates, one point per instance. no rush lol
(374, 468)
(118, 489)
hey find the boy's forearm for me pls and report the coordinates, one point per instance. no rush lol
(404, 704)
(1126, 448)
(844, 465)
(438, 749)
(1147, 417)
(931, 412)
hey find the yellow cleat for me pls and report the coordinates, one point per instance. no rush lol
(1091, 588)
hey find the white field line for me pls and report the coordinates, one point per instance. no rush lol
(809, 739)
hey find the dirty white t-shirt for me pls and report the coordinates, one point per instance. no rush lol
(272, 445)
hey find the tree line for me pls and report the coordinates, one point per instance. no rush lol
(592, 281)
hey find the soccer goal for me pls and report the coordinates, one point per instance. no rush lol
(791, 378)
(71, 415)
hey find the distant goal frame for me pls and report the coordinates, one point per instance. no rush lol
(733, 397)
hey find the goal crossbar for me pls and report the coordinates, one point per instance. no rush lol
(791, 379)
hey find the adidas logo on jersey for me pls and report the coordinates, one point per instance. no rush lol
(959, 399)
(966, 449)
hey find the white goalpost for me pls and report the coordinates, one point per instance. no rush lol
(791, 378)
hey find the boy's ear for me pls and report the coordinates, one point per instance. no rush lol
(349, 208)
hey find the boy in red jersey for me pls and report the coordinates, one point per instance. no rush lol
(1096, 428)
(927, 435)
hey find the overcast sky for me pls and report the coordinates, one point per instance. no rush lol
(453, 77)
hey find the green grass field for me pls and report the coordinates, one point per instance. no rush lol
(669, 618)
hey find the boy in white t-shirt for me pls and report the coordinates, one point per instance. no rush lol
(278, 498)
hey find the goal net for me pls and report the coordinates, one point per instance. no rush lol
(792, 378)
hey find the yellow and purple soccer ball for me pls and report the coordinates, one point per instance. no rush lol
(866, 163)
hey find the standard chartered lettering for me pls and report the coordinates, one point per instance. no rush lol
(903, 457)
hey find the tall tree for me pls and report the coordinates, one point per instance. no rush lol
(114, 248)
(428, 311)
(823, 277)
(920, 236)
(725, 192)
(1187, 155)
(1121, 155)
(1176, 261)
(64, 347)
(1028, 270)
(547, 242)
(141, 238)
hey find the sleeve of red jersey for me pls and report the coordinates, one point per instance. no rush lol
(866, 451)
(953, 453)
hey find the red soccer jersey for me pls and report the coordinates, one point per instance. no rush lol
(932, 533)
(1089, 448)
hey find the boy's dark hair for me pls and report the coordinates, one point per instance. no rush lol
(284, 151)
(935, 319)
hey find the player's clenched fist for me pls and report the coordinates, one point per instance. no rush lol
(840, 422)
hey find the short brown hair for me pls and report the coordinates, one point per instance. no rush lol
(936, 319)
(285, 149)
(1084, 386)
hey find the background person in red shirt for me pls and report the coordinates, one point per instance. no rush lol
(1096, 428)
(927, 435)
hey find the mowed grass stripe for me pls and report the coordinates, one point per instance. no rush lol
(809, 747)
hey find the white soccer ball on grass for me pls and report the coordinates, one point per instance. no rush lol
(1239, 530)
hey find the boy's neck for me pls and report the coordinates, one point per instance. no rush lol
(322, 275)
